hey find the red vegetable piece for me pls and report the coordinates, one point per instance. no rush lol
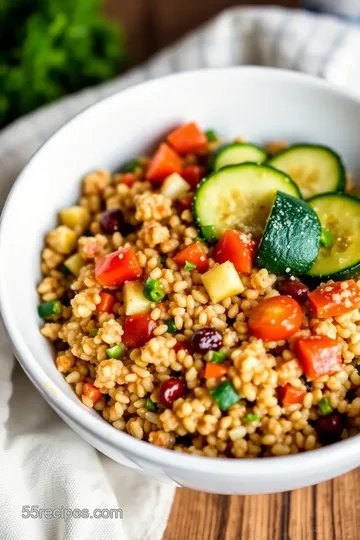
(238, 248)
(193, 174)
(291, 395)
(215, 371)
(185, 202)
(188, 139)
(114, 269)
(194, 254)
(164, 162)
(106, 304)
(318, 355)
(275, 318)
(138, 329)
(90, 391)
(129, 179)
(335, 299)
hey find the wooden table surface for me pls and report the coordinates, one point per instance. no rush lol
(329, 511)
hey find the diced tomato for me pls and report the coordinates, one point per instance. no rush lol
(164, 162)
(91, 392)
(129, 178)
(182, 346)
(193, 174)
(238, 248)
(215, 371)
(318, 355)
(275, 318)
(194, 254)
(290, 395)
(106, 303)
(114, 269)
(185, 202)
(188, 139)
(138, 329)
(335, 299)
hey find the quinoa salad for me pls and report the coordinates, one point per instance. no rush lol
(206, 298)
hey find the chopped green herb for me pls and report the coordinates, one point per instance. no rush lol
(130, 166)
(154, 290)
(357, 367)
(189, 267)
(208, 232)
(95, 332)
(211, 135)
(64, 270)
(150, 405)
(199, 239)
(115, 352)
(225, 395)
(171, 326)
(47, 309)
(218, 357)
(163, 258)
(326, 237)
(251, 417)
(324, 406)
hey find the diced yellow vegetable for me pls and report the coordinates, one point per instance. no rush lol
(135, 301)
(222, 281)
(74, 264)
(174, 186)
(76, 216)
(62, 239)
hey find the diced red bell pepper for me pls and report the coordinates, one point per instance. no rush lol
(188, 139)
(129, 179)
(335, 299)
(90, 391)
(106, 303)
(193, 174)
(138, 329)
(164, 162)
(318, 355)
(185, 202)
(194, 254)
(291, 395)
(215, 371)
(238, 248)
(114, 269)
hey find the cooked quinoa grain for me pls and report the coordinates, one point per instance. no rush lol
(172, 362)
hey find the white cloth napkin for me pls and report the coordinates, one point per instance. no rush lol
(42, 461)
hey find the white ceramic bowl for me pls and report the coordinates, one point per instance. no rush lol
(260, 104)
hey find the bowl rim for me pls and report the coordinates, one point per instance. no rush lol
(96, 425)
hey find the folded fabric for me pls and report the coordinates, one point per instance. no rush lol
(43, 463)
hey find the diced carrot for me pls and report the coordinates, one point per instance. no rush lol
(129, 178)
(318, 355)
(238, 248)
(193, 174)
(188, 139)
(106, 304)
(185, 202)
(335, 299)
(164, 162)
(90, 391)
(194, 254)
(215, 371)
(114, 269)
(291, 395)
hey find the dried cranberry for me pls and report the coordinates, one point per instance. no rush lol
(295, 288)
(171, 390)
(182, 346)
(329, 428)
(67, 297)
(111, 221)
(206, 339)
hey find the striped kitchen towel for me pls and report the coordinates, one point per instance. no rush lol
(42, 461)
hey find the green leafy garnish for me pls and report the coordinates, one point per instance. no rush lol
(218, 357)
(211, 135)
(48, 309)
(189, 267)
(171, 326)
(94, 332)
(251, 417)
(130, 166)
(150, 405)
(324, 406)
(225, 395)
(208, 232)
(154, 290)
(115, 352)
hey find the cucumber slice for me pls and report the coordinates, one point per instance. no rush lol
(240, 197)
(236, 153)
(341, 215)
(315, 169)
(291, 239)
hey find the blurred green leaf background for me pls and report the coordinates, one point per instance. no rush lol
(50, 48)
